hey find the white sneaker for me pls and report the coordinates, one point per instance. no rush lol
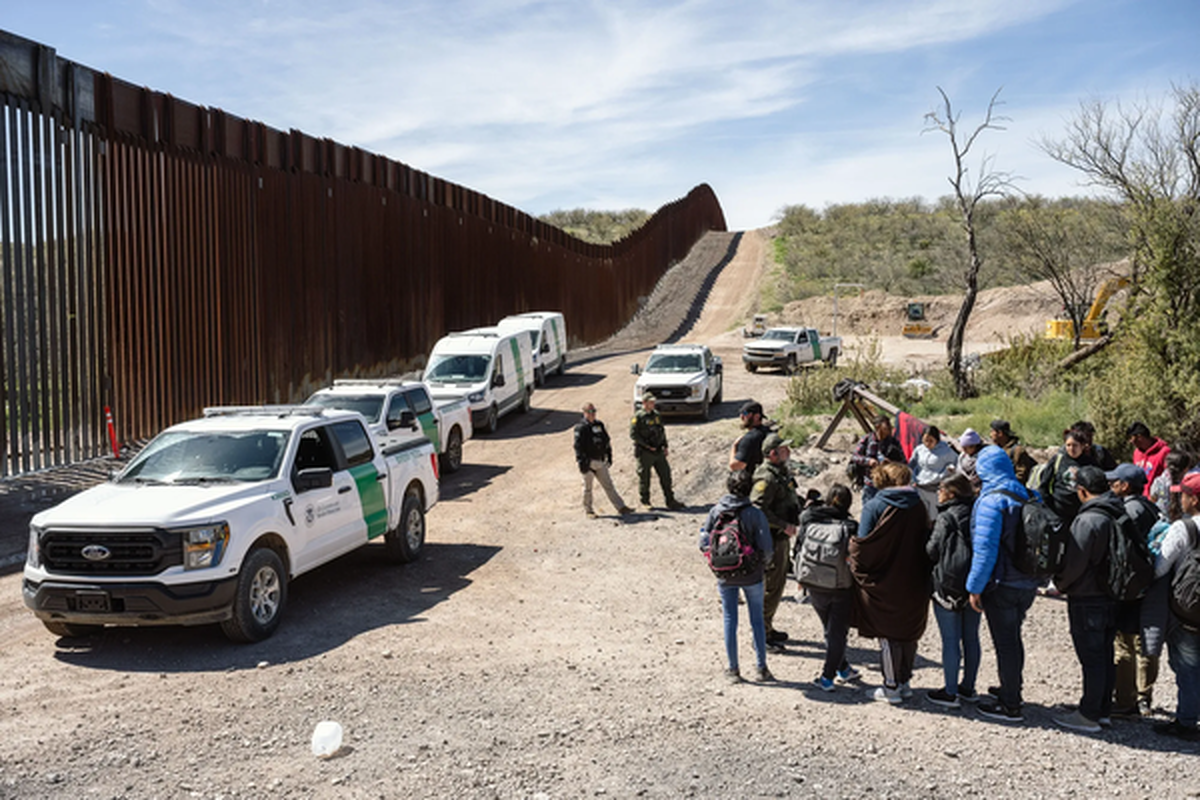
(886, 695)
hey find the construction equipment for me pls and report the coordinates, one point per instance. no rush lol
(756, 328)
(1093, 325)
(916, 327)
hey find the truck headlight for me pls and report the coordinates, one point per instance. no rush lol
(475, 397)
(697, 389)
(33, 556)
(203, 547)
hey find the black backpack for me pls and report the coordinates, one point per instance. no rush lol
(1130, 564)
(952, 567)
(1041, 539)
(731, 552)
(1185, 586)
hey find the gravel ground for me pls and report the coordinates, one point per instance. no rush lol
(532, 653)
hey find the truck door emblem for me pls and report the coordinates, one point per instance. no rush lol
(310, 515)
(95, 552)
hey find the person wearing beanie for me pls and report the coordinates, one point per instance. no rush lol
(969, 445)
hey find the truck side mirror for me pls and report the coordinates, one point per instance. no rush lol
(313, 478)
(545, 347)
(498, 379)
(407, 420)
(635, 370)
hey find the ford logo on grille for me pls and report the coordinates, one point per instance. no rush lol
(96, 552)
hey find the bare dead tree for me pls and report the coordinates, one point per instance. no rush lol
(968, 192)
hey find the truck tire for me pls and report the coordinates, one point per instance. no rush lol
(405, 541)
(720, 395)
(492, 423)
(71, 630)
(260, 599)
(833, 354)
(751, 367)
(791, 367)
(704, 408)
(527, 400)
(451, 460)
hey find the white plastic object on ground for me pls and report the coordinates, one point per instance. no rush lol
(326, 738)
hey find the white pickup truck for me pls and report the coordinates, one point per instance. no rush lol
(397, 410)
(213, 518)
(791, 348)
(684, 379)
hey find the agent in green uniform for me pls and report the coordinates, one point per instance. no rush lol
(775, 493)
(650, 448)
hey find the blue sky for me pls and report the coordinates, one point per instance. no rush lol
(619, 104)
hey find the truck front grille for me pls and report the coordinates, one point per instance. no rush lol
(671, 392)
(146, 551)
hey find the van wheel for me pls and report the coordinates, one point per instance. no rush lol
(451, 460)
(261, 596)
(833, 354)
(71, 630)
(527, 401)
(404, 543)
(562, 365)
(751, 367)
(492, 423)
(539, 377)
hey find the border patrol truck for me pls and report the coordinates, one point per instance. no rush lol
(213, 518)
(491, 368)
(548, 332)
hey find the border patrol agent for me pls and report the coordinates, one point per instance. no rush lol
(593, 454)
(650, 448)
(774, 492)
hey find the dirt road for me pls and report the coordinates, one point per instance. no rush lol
(535, 653)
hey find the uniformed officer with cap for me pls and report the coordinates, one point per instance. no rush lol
(650, 448)
(774, 492)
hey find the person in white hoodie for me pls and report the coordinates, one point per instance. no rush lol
(931, 461)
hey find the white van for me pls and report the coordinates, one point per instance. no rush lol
(491, 368)
(548, 335)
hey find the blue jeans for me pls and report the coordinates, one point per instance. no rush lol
(1093, 622)
(729, 611)
(1005, 607)
(960, 639)
(1183, 654)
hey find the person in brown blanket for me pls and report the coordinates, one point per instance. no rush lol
(891, 576)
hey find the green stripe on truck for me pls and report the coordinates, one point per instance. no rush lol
(370, 496)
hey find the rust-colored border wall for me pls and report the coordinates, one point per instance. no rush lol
(160, 256)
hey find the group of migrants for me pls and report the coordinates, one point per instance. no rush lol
(943, 525)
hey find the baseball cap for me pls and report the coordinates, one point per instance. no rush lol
(773, 442)
(1092, 479)
(969, 437)
(751, 407)
(1190, 484)
(1130, 473)
(648, 396)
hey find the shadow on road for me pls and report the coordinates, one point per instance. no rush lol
(357, 593)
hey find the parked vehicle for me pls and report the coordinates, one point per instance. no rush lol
(215, 516)
(790, 348)
(491, 368)
(398, 410)
(548, 340)
(684, 379)
(757, 327)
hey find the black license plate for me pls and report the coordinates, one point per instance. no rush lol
(92, 602)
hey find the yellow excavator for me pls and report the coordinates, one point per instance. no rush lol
(1093, 325)
(916, 327)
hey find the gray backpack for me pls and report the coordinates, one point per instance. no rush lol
(820, 557)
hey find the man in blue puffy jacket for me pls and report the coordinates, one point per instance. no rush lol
(996, 587)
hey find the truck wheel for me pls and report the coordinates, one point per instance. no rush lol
(492, 423)
(751, 367)
(261, 596)
(833, 354)
(720, 393)
(71, 630)
(790, 369)
(451, 460)
(405, 541)
(527, 401)
(704, 408)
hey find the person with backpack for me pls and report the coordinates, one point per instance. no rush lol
(995, 586)
(1091, 612)
(1057, 481)
(931, 461)
(1100, 455)
(949, 549)
(736, 519)
(822, 547)
(1136, 671)
(891, 577)
(1179, 562)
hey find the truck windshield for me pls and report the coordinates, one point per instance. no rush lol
(787, 336)
(209, 456)
(369, 407)
(457, 369)
(673, 362)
